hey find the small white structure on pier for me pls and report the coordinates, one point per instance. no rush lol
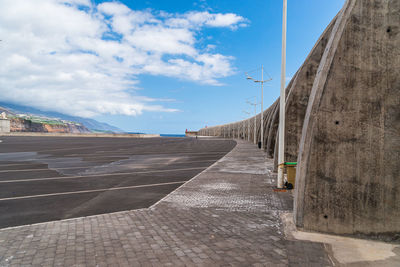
(4, 123)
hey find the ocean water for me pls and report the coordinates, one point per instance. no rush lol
(172, 135)
(162, 135)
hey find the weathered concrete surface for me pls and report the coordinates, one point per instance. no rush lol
(297, 92)
(348, 177)
(346, 251)
(343, 124)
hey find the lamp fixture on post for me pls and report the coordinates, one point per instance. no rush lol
(262, 81)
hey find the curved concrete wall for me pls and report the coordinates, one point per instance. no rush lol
(297, 93)
(349, 174)
(342, 124)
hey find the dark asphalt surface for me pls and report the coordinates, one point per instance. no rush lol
(52, 178)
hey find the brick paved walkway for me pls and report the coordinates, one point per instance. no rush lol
(227, 215)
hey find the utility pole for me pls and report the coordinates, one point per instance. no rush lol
(262, 101)
(281, 150)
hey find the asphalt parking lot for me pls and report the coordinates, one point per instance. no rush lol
(52, 178)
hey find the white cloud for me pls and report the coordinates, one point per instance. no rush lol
(114, 8)
(79, 58)
(200, 19)
(163, 40)
(224, 20)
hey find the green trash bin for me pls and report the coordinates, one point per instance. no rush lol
(291, 174)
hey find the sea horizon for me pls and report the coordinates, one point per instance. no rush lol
(162, 135)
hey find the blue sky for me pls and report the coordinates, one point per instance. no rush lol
(152, 66)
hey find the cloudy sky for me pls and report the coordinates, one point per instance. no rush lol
(150, 66)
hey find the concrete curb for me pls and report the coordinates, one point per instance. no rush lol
(188, 181)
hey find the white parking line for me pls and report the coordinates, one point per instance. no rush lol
(126, 153)
(26, 170)
(113, 156)
(84, 167)
(91, 191)
(96, 175)
(37, 163)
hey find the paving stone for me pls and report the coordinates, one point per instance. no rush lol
(227, 216)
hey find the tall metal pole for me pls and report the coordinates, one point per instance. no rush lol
(243, 131)
(248, 126)
(262, 107)
(281, 151)
(248, 130)
(255, 120)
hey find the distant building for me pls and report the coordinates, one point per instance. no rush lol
(190, 133)
(4, 124)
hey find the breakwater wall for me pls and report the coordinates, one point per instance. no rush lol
(342, 125)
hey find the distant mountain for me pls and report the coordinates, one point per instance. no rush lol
(91, 124)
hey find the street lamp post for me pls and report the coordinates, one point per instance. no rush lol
(281, 150)
(262, 81)
(248, 125)
(248, 130)
(255, 117)
(243, 129)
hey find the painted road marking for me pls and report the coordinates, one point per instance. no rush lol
(96, 175)
(26, 170)
(130, 155)
(96, 166)
(39, 163)
(116, 155)
(91, 191)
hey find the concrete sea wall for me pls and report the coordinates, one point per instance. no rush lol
(343, 125)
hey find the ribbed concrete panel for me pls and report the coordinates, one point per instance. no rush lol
(348, 178)
(298, 93)
(343, 124)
